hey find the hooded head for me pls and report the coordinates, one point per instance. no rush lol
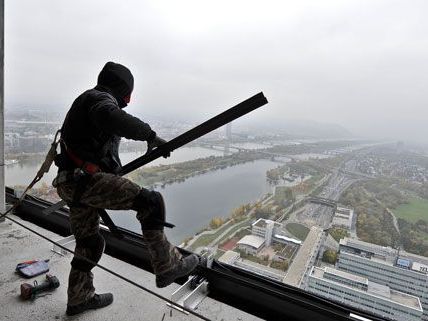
(119, 80)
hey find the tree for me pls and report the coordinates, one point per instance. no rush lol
(329, 256)
(338, 233)
(216, 222)
(239, 212)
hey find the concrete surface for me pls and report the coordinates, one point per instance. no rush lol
(130, 303)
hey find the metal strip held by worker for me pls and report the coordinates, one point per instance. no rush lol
(206, 127)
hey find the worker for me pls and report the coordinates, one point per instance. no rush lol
(87, 180)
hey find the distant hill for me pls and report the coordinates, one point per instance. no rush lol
(313, 129)
(299, 129)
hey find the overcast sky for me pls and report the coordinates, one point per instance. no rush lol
(362, 64)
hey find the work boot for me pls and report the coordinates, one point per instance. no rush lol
(183, 267)
(96, 302)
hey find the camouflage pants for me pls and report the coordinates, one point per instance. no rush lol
(107, 191)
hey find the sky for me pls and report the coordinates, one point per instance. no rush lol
(362, 64)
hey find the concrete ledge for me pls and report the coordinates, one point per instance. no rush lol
(131, 303)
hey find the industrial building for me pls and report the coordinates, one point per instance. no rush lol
(363, 294)
(399, 270)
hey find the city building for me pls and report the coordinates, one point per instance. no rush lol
(359, 292)
(229, 257)
(401, 271)
(343, 217)
(251, 244)
(272, 232)
(265, 229)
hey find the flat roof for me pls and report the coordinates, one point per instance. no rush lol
(260, 223)
(252, 240)
(288, 239)
(299, 264)
(346, 275)
(374, 289)
(406, 299)
(229, 257)
(387, 255)
(384, 253)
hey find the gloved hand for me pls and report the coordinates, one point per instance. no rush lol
(156, 142)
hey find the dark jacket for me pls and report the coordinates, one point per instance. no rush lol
(95, 123)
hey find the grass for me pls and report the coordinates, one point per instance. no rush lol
(206, 239)
(298, 230)
(416, 209)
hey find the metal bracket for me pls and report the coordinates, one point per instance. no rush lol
(188, 295)
(207, 256)
(67, 241)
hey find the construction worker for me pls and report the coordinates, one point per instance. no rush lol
(87, 181)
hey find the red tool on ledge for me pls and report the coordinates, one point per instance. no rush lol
(29, 291)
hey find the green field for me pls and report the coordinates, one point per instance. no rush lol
(416, 209)
(298, 230)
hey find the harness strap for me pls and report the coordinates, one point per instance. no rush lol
(87, 167)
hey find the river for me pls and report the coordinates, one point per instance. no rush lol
(190, 204)
(23, 172)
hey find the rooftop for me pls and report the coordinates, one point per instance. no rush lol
(374, 289)
(130, 302)
(261, 222)
(229, 257)
(252, 240)
(386, 255)
(299, 265)
(346, 275)
(288, 239)
(384, 252)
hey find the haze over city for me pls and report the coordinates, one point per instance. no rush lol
(359, 64)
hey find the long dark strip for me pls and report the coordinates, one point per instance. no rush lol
(206, 127)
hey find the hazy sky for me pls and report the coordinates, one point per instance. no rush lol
(363, 64)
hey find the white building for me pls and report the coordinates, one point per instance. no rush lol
(271, 231)
(399, 270)
(251, 244)
(360, 293)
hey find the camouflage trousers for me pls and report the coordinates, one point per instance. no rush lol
(107, 191)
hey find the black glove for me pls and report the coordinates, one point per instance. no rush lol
(156, 142)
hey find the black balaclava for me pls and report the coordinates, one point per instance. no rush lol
(119, 80)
